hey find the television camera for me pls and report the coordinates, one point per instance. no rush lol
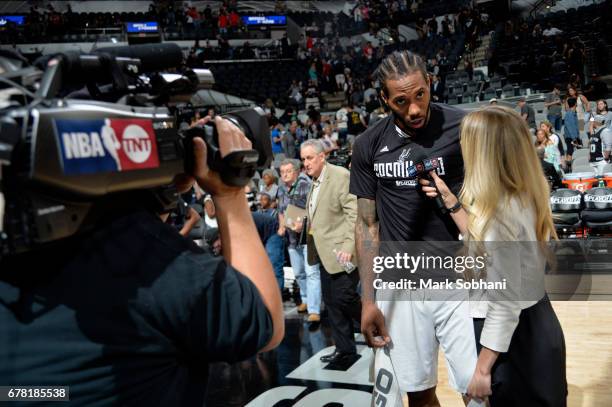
(85, 135)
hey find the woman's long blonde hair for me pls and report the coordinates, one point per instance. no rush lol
(501, 163)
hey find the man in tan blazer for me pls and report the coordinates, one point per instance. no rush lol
(332, 212)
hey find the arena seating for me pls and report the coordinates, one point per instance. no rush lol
(259, 80)
(519, 54)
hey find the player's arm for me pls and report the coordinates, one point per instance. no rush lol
(367, 242)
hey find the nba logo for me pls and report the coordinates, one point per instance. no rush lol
(110, 145)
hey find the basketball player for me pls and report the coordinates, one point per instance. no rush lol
(394, 209)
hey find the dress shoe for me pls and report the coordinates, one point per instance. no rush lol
(337, 356)
(302, 308)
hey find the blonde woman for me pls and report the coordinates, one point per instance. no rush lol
(505, 200)
(551, 151)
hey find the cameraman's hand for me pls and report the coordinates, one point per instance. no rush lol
(231, 139)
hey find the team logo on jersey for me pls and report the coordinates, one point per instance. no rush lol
(109, 145)
(404, 155)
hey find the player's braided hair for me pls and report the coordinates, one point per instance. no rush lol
(398, 64)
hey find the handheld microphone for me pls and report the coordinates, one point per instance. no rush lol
(420, 169)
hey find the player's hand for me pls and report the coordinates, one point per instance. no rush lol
(440, 188)
(373, 326)
(231, 139)
(480, 385)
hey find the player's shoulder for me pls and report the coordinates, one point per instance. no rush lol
(449, 112)
(372, 133)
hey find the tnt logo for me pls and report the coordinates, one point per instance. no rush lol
(111, 145)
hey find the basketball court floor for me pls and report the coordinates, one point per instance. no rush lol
(292, 375)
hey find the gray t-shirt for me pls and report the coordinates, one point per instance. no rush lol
(553, 109)
(530, 115)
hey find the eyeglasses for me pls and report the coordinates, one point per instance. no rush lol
(287, 172)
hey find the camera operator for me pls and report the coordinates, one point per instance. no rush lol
(132, 313)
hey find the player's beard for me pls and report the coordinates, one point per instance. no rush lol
(399, 120)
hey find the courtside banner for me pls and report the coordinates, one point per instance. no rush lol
(492, 271)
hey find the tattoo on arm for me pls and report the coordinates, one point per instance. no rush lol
(367, 241)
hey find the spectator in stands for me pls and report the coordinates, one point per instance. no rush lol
(551, 152)
(601, 110)
(436, 89)
(550, 133)
(313, 129)
(355, 124)
(295, 94)
(210, 213)
(265, 204)
(341, 123)
(288, 116)
(326, 138)
(554, 180)
(596, 156)
(372, 104)
(570, 128)
(268, 228)
(275, 136)
(554, 107)
(312, 95)
(268, 185)
(583, 107)
(289, 140)
(356, 97)
(312, 73)
(537, 32)
(234, 21)
(446, 27)
(269, 109)
(601, 124)
(223, 22)
(550, 31)
(527, 113)
(314, 114)
(368, 52)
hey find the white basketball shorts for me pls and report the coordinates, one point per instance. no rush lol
(417, 328)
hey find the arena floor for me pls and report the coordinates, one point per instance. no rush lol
(292, 375)
(588, 328)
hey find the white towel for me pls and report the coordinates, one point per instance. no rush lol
(386, 389)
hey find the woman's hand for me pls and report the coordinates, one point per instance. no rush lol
(480, 385)
(440, 187)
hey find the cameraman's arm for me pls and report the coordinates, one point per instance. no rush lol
(242, 247)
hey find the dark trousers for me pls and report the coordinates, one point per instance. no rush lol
(532, 372)
(343, 305)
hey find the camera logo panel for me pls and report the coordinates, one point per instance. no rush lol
(109, 145)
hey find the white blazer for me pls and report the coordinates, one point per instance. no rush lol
(515, 255)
